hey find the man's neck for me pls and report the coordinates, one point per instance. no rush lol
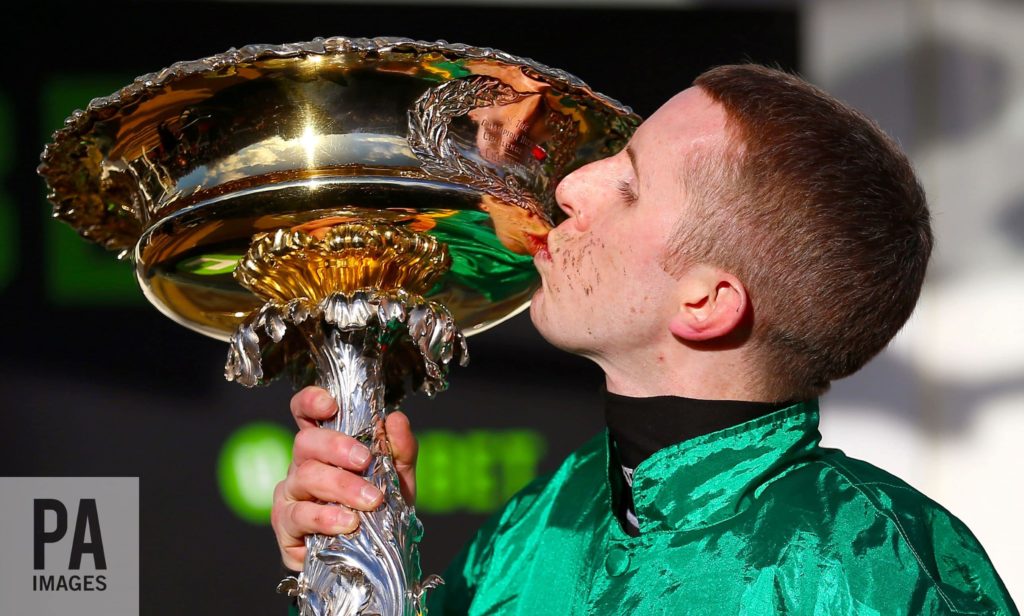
(667, 366)
(715, 380)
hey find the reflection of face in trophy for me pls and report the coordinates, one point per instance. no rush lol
(503, 134)
(342, 212)
(511, 134)
(518, 229)
(509, 131)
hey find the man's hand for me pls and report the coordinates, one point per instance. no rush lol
(326, 468)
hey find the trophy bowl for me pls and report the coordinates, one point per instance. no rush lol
(344, 211)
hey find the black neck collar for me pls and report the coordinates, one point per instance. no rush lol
(641, 426)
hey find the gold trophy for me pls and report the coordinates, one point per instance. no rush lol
(343, 211)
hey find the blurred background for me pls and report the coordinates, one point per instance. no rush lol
(94, 382)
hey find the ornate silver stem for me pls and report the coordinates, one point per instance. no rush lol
(370, 570)
(374, 570)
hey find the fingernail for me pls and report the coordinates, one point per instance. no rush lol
(344, 521)
(369, 495)
(358, 454)
(323, 403)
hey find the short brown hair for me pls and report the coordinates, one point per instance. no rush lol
(819, 213)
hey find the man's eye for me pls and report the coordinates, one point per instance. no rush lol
(627, 192)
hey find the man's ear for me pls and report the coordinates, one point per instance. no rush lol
(712, 304)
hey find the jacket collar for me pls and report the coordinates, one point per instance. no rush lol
(710, 478)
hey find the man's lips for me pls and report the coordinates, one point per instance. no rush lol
(537, 244)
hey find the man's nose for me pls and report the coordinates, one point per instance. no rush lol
(572, 192)
(563, 194)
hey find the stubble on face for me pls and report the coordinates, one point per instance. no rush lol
(577, 264)
(572, 271)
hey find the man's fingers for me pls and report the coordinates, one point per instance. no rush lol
(404, 450)
(304, 518)
(294, 558)
(312, 404)
(332, 447)
(404, 447)
(315, 481)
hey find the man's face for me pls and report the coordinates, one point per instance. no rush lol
(604, 289)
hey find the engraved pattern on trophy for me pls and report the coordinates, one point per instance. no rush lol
(343, 211)
(428, 136)
(429, 120)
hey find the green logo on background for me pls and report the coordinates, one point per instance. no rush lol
(253, 459)
(476, 471)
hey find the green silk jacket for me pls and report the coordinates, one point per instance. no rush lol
(753, 519)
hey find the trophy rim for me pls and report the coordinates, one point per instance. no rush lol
(81, 121)
(75, 164)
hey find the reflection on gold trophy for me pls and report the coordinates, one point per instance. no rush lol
(342, 211)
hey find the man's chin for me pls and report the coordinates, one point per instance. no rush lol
(543, 323)
(534, 310)
(537, 316)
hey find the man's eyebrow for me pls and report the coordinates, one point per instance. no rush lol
(632, 160)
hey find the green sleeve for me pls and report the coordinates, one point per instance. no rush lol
(963, 567)
(456, 594)
(463, 576)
